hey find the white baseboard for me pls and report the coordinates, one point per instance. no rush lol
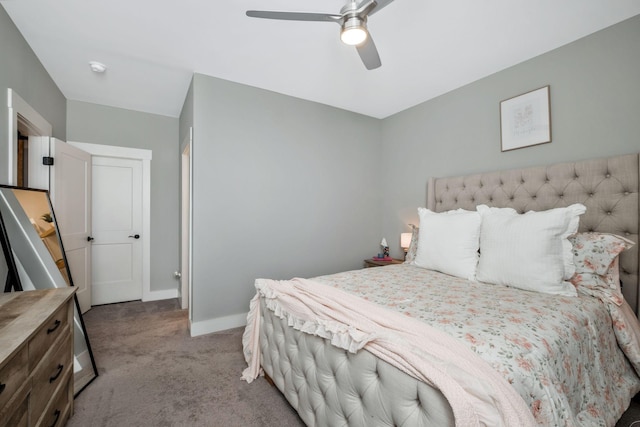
(217, 324)
(159, 295)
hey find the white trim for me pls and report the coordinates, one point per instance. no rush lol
(38, 174)
(190, 223)
(217, 324)
(185, 225)
(114, 151)
(145, 156)
(36, 124)
(146, 227)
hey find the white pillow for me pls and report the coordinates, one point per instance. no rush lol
(567, 246)
(529, 251)
(448, 242)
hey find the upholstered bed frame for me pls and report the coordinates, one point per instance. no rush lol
(331, 387)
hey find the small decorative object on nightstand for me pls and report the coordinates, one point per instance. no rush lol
(385, 248)
(382, 258)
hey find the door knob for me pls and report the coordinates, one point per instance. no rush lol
(89, 238)
(135, 236)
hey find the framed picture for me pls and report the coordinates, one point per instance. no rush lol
(525, 120)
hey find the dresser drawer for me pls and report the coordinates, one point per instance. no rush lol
(50, 374)
(47, 334)
(19, 418)
(36, 357)
(59, 410)
(13, 376)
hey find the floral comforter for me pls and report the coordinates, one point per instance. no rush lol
(560, 353)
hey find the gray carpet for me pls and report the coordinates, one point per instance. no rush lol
(153, 374)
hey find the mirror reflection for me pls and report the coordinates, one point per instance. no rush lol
(36, 207)
(41, 262)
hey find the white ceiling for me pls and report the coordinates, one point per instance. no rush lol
(427, 47)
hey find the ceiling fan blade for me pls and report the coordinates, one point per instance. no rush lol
(380, 5)
(369, 54)
(294, 16)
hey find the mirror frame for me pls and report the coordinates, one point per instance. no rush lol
(13, 278)
(23, 244)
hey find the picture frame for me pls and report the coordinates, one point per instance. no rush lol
(525, 120)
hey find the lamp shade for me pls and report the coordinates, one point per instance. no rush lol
(405, 240)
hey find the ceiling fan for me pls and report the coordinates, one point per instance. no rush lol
(352, 19)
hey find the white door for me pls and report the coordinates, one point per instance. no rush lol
(69, 183)
(70, 192)
(117, 230)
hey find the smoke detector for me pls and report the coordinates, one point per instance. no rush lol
(97, 67)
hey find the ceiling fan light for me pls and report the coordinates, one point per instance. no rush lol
(354, 32)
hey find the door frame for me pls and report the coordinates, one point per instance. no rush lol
(186, 198)
(144, 156)
(21, 111)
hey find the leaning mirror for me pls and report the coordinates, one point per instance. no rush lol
(34, 237)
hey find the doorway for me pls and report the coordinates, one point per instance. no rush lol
(28, 122)
(114, 169)
(30, 141)
(117, 230)
(186, 208)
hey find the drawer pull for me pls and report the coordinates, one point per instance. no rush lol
(55, 326)
(57, 414)
(55, 377)
(2, 387)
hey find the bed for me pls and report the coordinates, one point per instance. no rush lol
(333, 375)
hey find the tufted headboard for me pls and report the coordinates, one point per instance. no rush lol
(608, 187)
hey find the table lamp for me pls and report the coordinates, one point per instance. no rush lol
(405, 242)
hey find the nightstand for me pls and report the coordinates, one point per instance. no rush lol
(378, 263)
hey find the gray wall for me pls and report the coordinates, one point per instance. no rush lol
(99, 124)
(595, 112)
(186, 116)
(21, 71)
(282, 188)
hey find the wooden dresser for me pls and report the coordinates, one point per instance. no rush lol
(36, 358)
